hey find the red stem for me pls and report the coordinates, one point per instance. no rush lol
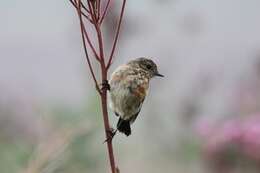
(107, 128)
(98, 8)
(86, 16)
(90, 44)
(117, 34)
(86, 34)
(94, 11)
(105, 12)
(85, 8)
(104, 97)
(85, 47)
(91, 11)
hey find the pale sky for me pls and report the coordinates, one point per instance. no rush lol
(41, 52)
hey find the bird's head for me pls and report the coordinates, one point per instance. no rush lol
(146, 65)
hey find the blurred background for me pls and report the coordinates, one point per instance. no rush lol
(204, 116)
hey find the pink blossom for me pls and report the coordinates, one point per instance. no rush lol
(242, 136)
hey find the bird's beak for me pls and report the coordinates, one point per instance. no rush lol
(158, 74)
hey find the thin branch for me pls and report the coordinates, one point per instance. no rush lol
(100, 43)
(95, 7)
(85, 47)
(94, 11)
(85, 8)
(91, 11)
(85, 15)
(91, 45)
(105, 12)
(85, 32)
(92, 4)
(107, 128)
(117, 34)
(98, 6)
(104, 94)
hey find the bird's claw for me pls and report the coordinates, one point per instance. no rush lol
(105, 85)
(110, 133)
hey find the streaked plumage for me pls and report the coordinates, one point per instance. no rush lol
(129, 84)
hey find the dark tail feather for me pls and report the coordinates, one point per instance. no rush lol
(124, 126)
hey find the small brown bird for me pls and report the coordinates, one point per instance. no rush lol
(128, 87)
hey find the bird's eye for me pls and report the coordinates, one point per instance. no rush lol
(148, 66)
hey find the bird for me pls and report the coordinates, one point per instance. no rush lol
(128, 87)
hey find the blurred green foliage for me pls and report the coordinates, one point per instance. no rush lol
(13, 156)
(80, 154)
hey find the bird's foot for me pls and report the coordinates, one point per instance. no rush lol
(110, 134)
(105, 85)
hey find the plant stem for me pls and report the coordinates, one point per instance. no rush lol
(107, 128)
(95, 17)
(104, 97)
(117, 34)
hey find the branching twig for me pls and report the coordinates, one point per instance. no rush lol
(85, 15)
(95, 18)
(91, 11)
(117, 34)
(105, 12)
(85, 47)
(98, 6)
(90, 44)
(85, 8)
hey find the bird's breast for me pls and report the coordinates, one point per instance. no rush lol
(128, 90)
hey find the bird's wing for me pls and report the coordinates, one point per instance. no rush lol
(133, 102)
(133, 118)
(127, 93)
